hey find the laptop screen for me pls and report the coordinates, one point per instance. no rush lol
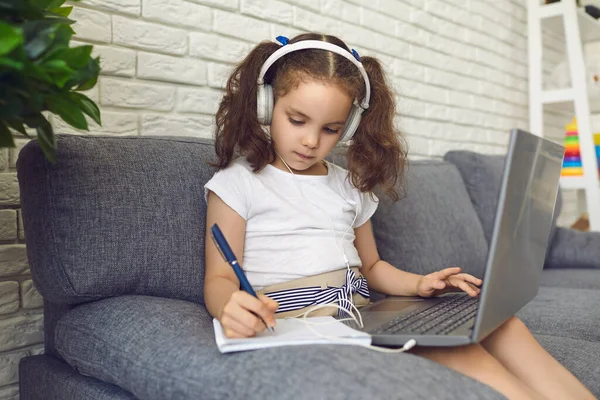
(522, 227)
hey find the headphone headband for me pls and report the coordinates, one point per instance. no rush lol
(317, 44)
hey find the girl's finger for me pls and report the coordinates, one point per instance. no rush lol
(244, 312)
(456, 282)
(269, 302)
(475, 288)
(445, 273)
(257, 306)
(431, 283)
(426, 285)
(470, 279)
(251, 321)
(272, 307)
(233, 334)
(240, 329)
(467, 288)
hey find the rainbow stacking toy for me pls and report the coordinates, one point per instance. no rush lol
(597, 145)
(572, 162)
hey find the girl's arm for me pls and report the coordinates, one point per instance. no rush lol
(385, 278)
(224, 300)
(382, 276)
(220, 281)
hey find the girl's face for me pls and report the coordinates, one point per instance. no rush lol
(307, 124)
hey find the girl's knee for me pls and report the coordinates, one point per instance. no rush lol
(514, 325)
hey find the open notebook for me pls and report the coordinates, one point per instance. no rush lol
(293, 332)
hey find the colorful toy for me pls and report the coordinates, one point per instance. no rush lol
(597, 145)
(572, 165)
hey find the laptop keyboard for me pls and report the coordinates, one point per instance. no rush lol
(439, 319)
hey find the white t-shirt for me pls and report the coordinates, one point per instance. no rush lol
(287, 237)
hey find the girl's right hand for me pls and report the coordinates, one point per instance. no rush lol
(237, 316)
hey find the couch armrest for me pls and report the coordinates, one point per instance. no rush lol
(574, 249)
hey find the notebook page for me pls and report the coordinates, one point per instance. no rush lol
(293, 332)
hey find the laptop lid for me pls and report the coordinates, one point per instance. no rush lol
(521, 229)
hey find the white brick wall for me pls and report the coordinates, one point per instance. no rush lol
(459, 67)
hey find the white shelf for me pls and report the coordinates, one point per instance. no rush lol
(565, 21)
(558, 96)
(552, 20)
(561, 100)
(573, 182)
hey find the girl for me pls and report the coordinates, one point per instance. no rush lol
(279, 204)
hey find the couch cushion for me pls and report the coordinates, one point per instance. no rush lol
(571, 278)
(434, 226)
(116, 215)
(565, 312)
(574, 249)
(482, 176)
(578, 356)
(164, 349)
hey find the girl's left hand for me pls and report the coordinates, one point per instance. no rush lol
(448, 280)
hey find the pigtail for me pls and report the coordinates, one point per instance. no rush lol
(237, 127)
(377, 156)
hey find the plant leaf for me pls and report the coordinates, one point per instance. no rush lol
(11, 103)
(53, 66)
(87, 85)
(36, 102)
(45, 136)
(87, 106)
(63, 36)
(42, 4)
(86, 77)
(10, 38)
(19, 9)
(57, 3)
(59, 71)
(68, 111)
(10, 63)
(61, 43)
(39, 36)
(76, 57)
(57, 18)
(12, 5)
(64, 11)
(17, 126)
(18, 54)
(35, 71)
(6, 139)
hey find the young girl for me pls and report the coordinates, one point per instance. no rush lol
(296, 221)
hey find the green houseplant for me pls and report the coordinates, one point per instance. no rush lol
(40, 72)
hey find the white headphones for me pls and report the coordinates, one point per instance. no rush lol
(265, 98)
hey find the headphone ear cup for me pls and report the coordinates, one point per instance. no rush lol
(260, 104)
(264, 104)
(351, 123)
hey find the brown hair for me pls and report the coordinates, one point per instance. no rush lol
(377, 155)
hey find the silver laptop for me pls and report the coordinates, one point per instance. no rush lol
(514, 265)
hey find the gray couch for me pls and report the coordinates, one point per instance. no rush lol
(115, 241)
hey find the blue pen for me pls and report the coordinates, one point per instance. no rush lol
(230, 258)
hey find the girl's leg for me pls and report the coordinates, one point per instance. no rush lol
(475, 362)
(515, 347)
